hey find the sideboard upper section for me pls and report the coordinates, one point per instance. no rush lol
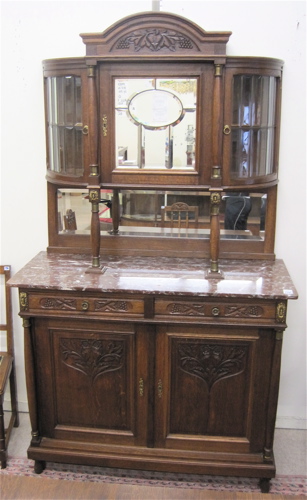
(157, 114)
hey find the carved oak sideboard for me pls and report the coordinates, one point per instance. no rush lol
(153, 324)
(150, 365)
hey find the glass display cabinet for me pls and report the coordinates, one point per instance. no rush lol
(158, 108)
(159, 291)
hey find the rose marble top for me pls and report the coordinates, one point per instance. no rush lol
(158, 275)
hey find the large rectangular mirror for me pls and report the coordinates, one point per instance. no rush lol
(155, 123)
(166, 214)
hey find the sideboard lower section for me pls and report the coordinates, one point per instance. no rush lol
(163, 371)
(186, 396)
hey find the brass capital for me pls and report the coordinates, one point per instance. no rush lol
(215, 199)
(26, 323)
(94, 195)
(218, 70)
(216, 172)
(94, 170)
(281, 312)
(23, 300)
(91, 72)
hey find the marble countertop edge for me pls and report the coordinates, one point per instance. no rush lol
(156, 276)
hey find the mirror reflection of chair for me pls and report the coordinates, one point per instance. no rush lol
(179, 215)
(7, 369)
(70, 220)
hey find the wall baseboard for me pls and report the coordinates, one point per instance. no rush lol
(291, 423)
(22, 406)
(281, 421)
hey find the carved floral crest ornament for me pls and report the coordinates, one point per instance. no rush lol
(155, 39)
(164, 34)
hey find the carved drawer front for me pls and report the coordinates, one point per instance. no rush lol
(215, 309)
(105, 306)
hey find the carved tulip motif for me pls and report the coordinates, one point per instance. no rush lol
(212, 362)
(92, 357)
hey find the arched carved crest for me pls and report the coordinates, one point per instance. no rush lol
(155, 34)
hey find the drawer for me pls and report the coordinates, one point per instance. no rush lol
(216, 309)
(68, 304)
(249, 311)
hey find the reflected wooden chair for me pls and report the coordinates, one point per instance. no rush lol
(179, 216)
(7, 367)
(70, 222)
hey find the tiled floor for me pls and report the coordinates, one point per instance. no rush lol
(289, 447)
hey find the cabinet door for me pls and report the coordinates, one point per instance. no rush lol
(251, 125)
(87, 375)
(212, 388)
(67, 119)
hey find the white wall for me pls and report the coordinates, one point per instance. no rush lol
(35, 30)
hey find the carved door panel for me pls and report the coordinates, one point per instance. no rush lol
(215, 389)
(87, 374)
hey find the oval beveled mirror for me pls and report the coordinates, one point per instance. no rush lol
(156, 109)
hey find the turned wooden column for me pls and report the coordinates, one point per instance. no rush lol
(216, 179)
(217, 125)
(94, 177)
(273, 396)
(30, 375)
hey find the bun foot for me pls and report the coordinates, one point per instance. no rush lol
(39, 466)
(265, 485)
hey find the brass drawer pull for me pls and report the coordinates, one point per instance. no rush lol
(84, 305)
(227, 130)
(215, 311)
(85, 130)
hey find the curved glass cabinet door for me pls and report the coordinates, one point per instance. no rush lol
(251, 121)
(66, 97)
(253, 126)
